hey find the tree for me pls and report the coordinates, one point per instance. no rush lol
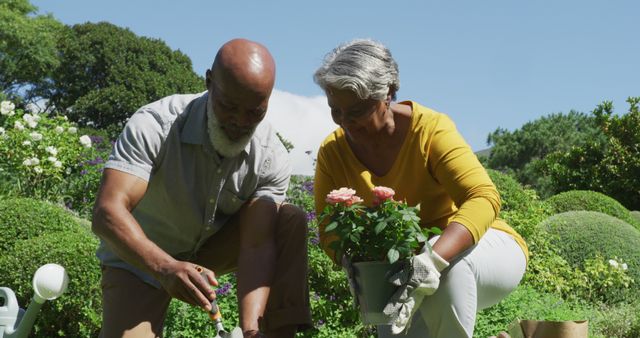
(107, 72)
(27, 47)
(610, 165)
(520, 152)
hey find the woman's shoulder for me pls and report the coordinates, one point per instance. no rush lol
(427, 118)
(333, 139)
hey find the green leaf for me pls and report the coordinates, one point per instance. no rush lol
(332, 226)
(380, 226)
(393, 255)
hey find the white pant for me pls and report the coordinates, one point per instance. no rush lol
(479, 278)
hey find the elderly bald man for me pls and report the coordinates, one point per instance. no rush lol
(197, 183)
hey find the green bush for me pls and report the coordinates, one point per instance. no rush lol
(512, 194)
(581, 235)
(636, 215)
(22, 218)
(620, 320)
(527, 303)
(77, 313)
(575, 200)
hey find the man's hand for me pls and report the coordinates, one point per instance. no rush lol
(419, 277)
(184, 281)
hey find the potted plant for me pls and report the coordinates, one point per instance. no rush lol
(373, 240)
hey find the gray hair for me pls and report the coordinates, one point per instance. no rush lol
(363, 66)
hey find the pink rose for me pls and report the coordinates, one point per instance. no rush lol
(340, 196)
(354, 199)
(382, 194)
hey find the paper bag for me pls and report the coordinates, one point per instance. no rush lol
(549, 329)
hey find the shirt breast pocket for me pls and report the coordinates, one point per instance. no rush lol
(229, 202)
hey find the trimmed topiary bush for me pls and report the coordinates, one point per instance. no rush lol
(580, 235)
(77, 313)
(590, 201)
(22, 218)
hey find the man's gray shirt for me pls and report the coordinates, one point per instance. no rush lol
(192, 191)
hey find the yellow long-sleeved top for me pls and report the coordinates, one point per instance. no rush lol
(434, 168)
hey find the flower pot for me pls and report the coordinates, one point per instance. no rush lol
(373, 290)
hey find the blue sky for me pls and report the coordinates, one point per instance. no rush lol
(487, 64)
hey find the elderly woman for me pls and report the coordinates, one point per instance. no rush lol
(478, 259)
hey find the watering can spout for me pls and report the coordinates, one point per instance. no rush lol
(49, 282)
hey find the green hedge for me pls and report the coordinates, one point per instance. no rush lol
(582, 234)
(77, 313)
(636, 215)
(513, 196)
(23, 218)
(590, 201)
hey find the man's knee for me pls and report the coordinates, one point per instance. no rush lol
(292, 218)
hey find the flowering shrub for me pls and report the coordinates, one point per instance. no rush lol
(43, 156)
(389, 230)
(607, 281)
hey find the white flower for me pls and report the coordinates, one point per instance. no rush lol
(36, 117)
(38, 170)
(72, 130)
(613, 263)
(35, 161)
(1, 131)
(27, 117)
(57, 164)
(52, 159)
(32, 124)
(27, 162)
(7, 107)
(624, 266)
(51, 150)
(59, 130)
(65, 117)
(85, 141)
(18, 125)
(68, 171)
(36, 136)
(26, 143)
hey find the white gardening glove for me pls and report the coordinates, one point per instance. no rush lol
(419, 277)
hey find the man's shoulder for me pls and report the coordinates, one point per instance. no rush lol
(170, 107)
(265, 135)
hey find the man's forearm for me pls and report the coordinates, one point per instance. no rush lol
(256, 268)
(120, 230)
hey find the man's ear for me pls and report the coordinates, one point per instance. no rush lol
(208, 79)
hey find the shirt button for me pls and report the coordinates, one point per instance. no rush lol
(207, 228)
(212, 201)
(219, 170)
(234, 199)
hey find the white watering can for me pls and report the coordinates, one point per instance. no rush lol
(49, 282)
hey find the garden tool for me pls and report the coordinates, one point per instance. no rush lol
(216, 315)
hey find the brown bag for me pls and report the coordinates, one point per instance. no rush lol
(549, 329)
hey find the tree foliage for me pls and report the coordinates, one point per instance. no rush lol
(107, 72)
(28, 50)
(610, 165)
(521, 151)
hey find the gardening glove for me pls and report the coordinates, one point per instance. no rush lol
(419, 277)
(347, 267)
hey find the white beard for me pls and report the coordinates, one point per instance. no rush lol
(219, 140)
